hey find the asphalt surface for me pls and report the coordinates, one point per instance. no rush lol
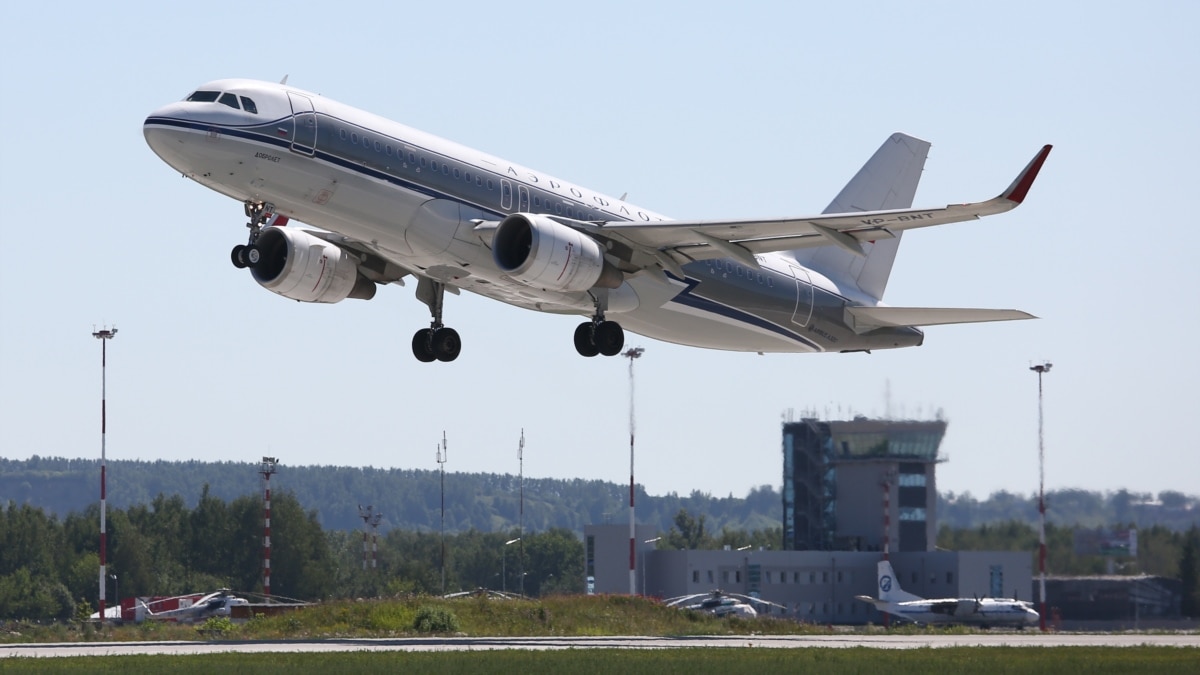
(1026, 639)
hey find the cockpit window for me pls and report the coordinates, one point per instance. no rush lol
(230, 100)
(248, 106)
(204, 96)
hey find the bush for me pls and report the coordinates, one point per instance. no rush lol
(435, 620)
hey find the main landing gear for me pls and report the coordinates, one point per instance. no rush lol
(260, 214)
(436, 343)
(599, 336)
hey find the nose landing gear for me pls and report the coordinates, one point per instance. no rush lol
(261, 214)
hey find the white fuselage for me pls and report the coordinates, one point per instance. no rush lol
(417, 200)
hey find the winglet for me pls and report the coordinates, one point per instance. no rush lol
(1020, 187)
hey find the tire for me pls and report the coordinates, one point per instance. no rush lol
(421, 346)
(238, 256)
(609, 338)
(585, 342)
(253, 255)
(446, 344)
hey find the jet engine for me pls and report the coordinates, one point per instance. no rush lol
(300, 266)
(543, 253)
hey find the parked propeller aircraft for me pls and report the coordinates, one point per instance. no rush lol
(392, 202)
(985, 612)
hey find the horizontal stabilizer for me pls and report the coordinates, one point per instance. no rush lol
(864, 319)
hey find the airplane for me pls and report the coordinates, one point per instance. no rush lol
(985, 612)
(384, 201)
(219, 603)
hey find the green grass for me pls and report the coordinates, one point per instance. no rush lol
(1094, 661)
(475, 616)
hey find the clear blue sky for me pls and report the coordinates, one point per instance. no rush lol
(696, 109)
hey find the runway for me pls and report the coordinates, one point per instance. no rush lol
(434, 644)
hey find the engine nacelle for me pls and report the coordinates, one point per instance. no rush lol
(297, 265)
(543, 253)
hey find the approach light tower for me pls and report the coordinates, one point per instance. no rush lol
(441, 460)
(1041, 369)
(267, 469)
(103, 336)
(632, 354)
(365, 514)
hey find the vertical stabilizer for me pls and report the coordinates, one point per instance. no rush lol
(889, 585)
(887, 181)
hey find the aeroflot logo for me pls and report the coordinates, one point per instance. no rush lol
(885, 583)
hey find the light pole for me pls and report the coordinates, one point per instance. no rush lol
(103, 336)
(441, 460)
(633, 353)
(1041, 369)
(521, 516)
(117, 593)
(503, 564)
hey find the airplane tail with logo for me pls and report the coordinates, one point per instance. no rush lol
(889, 585)
(887, 181)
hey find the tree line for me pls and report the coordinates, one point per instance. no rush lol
(410, 499)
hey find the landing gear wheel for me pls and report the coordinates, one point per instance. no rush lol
(422, 347)
(585, 339)
(446, 344)
(238, 256)
(609, 338)
(252, 255)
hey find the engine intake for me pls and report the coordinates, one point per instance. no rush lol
(299, 266)
(544, 253)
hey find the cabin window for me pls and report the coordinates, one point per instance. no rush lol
(388, 150)
(342, 133)
(412, 159)
(248, 105)
(491, 186)
(378, 146)
(467, 176)
(433, 165)
(445, 169)
(204, 96)
(457, 174)
(230, 100)
(354, 138)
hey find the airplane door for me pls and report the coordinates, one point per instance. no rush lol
(505, 195)
(304, 135)
(522, 199)
(804, 296)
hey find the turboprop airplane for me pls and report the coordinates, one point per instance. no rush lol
(392, 202)
(985, 612)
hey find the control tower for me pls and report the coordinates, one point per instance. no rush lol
(848, 482)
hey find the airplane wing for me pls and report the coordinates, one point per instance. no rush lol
(865, 319)
(670, 244)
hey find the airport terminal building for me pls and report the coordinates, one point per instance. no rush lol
(851, 489)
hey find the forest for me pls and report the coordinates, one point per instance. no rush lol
(410, 499)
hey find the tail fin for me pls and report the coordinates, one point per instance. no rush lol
(889, 585)
(887, 181)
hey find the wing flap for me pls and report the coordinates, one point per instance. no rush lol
(864, 319)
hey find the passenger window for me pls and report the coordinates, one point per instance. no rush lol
(457, 174)
(491, 186)
(204, 96)
(412, 159)
(445, 170)
(230, 100)
(388, 150)
(354, 138)
(433, 165)
(248, 105)
(342, 134)
(378, 146)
